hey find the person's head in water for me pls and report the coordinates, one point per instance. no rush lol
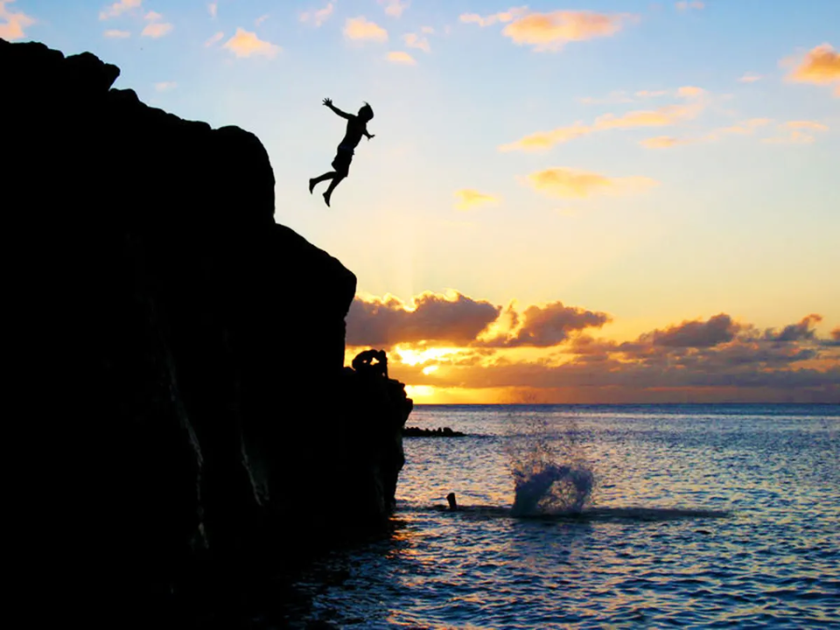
(366, 112)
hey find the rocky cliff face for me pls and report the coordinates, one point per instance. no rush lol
(183, 410)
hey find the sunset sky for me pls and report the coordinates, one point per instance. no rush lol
(601, 201)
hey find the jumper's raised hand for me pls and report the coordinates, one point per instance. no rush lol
(328, 102)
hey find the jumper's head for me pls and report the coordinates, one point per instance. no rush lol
(366, 112)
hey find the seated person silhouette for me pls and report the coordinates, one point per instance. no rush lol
(356, 128)
(363, 363)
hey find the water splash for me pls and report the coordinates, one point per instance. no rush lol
(550, 473)
(553, 489)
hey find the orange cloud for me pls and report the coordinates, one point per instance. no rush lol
(115, 34)
(747, 127)
(661, 117)
(165, 86)
(551, 31)
(318, 16)
(441, 343)
(750, 78)
(821, 66)
(699, 359)
(800, 331)
(543, 140)
(13, 22)
(118, 8)
(469, 198)
(576, 184)
(247, 44)
(546, 326)
(691, 91)
(695, 334)
(361, 29)
(401, 57)
(213, 9)
(430, 316)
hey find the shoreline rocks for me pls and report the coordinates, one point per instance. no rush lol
(439, 432)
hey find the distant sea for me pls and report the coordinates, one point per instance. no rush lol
(653, 516)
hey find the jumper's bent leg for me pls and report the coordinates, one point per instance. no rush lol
(317, 180)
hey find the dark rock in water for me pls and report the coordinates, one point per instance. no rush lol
(183, 422)
(439, 432)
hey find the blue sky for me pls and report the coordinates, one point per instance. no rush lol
(731, 216)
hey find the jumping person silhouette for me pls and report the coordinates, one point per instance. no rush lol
(356, 128)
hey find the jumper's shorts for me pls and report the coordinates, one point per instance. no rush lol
(342, 160)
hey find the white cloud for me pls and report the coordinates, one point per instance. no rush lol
(395, 8)
(116, 34)
(745, 128)
(213, 8)
(799, 132)
(412, 40)
(247, 44)
(260, 19)
(806, 124)
(118, 8)
(157, 29)
(664, 142)
(319, 16)
(489, 20)
(750, 77)
(165, 86)
(215, 39)
(361, 29)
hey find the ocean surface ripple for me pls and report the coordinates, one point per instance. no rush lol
(693, 516)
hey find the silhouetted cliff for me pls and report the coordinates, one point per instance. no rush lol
(183, 411)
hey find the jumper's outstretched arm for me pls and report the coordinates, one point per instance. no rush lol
(368, 135)
(328, 103)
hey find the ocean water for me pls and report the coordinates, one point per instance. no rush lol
(593, 517)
